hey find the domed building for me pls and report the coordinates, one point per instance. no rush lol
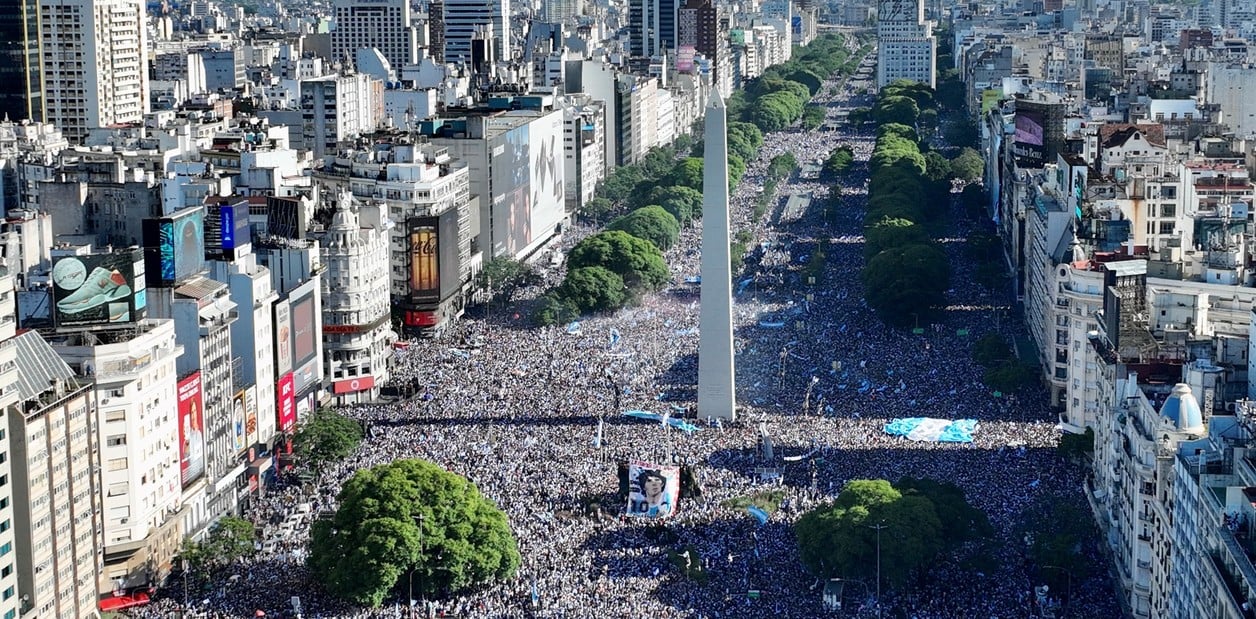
(357, 330)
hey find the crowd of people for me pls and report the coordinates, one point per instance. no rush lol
(533, 417)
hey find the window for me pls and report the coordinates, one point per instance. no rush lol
(6, 549)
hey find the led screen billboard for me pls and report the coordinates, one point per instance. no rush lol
(283, 337)
(304, 331)
(191, 428)
(99, 289)
(285, 403)
(1028, 143)
(527, 173)
(227, 234)
(175, 247)
(434, 271)
(239, 422)
(684, 58)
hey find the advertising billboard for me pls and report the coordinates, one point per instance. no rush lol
(283, 337)
(1028, 143)
(434, 268)
(191, 428)
(250, 416)
(99, 289)
(653, 489)
(304, 331)
(353, 385)
(684, 58)
(239, 422)
(227, 234)
(175, 246)
(286, 403)
(527, 172)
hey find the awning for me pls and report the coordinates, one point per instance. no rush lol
(120, 602)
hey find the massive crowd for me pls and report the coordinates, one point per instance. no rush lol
(815, 367)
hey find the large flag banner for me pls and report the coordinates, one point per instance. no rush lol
(652, 489)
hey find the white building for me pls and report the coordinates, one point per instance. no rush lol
(385, 25)
(140, 448)
(339, 107)
(584, 137)
(9, 606)
(357, 325)
(906, 47)
(95, 65)
(55, 486)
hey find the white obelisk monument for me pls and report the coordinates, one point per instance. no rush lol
(716, 394)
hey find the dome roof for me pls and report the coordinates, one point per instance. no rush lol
(1183, 410)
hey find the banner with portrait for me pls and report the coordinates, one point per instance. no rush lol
(653, 490)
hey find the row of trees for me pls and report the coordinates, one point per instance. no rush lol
(919, 518)
(907, 274)
(779, 97)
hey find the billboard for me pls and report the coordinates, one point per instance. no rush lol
(285, 402)
(191, 428)
(175, 246)
(99, 289)
(283, 337)
(684, 58)
(353, 385)
(1028, 143)
(250, 415)
(653, 489)
(304, 331)
(239, 422)
(227, 234)
(527, 176)
(434, 271)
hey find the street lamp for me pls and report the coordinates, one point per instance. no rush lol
(410, 588)
(878, 527)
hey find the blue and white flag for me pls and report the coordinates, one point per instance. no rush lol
(536, 597)
(597, 440)
(931, 429)
(574, 327)
(758, 514)
(614, 338)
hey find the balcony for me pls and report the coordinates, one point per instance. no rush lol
(1222, 573)
(1240, 554)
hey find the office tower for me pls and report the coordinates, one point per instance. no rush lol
(385, 25)
(703, 27)
(21, 88)
(8, 398)
(436, 30)
(463, 17)
(652, 26)
(717, 395)
(95, 63)
(906, 47)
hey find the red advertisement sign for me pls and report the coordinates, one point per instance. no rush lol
(191, 428)
(285, 394)
(353, 385)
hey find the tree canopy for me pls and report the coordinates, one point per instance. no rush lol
(968, 166)
(593, 289)
(504, 276)
(327, 436)
(410, 515)
(652, 223)
(892, 232)
(636, 260)
(229, 539)
(904, 280)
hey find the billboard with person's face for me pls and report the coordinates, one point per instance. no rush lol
(653, 489)
(175, 246)
(239, 422)
(99, 289)
(190, 407)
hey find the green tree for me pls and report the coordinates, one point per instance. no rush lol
(839, 160)
(1058, 533)
(636, 260)
(898, 130)
(326, 437)
(598, 209)
(991, 350)
(504, 276)
(687, 174)
(813, 116)
(961, 133)
(1011, 377)
(410, 515)
(553, 309)
(838, 541)
(782, 165)
(593, 289)
(902, 281)
(896, 109)
(960, 520)
(229, 540)
(937, 167)
(684, 203)
(968, 166)
(651, 223)
(1077, 447)
(892, 232)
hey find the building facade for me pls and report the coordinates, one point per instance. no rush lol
(906, 47)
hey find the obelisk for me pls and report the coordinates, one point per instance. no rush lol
(716, 394)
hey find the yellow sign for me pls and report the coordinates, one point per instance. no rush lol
(423, 274)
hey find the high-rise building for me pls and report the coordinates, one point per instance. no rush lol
(906, 47)
(652, 26)
(9, 603)
(385, 25)
(95, 63)
(21, 85)
(702, 26)
(462, 19)
(56, 489)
